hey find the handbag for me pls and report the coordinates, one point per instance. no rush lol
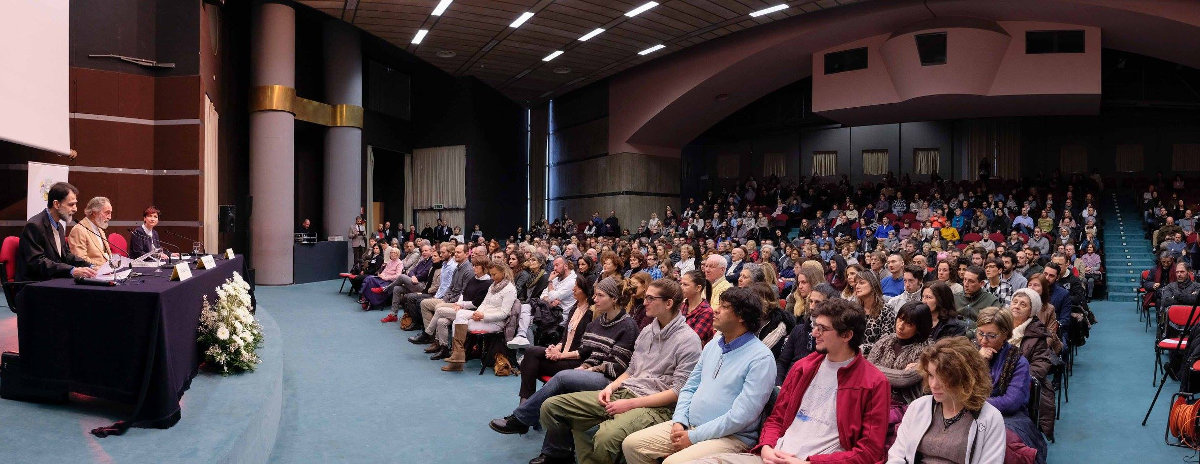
(406, 322)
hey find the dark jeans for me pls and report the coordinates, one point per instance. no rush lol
(568, 381)
(535, 365)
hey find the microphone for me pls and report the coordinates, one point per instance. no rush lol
(95, 282)
(132, 230)
(105, 239)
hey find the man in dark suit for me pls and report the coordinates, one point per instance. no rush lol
(44, 252)
(443, 231)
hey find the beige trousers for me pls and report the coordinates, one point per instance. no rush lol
(646, 446)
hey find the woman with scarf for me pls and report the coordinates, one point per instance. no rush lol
(1010, 376)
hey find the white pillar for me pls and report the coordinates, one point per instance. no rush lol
(272, 146)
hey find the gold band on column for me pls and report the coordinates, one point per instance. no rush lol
(282, 98)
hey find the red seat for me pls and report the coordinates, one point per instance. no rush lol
(346, 275)
(8, 257)
(119, 245)
(972, 237)
(546, 378)
(1181, 319)
(997, 237)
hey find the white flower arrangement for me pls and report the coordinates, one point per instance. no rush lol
(228, 333)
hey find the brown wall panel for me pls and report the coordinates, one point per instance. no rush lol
(129, 193)
(135, 96)
(177, 147)
(93, 92)
(112, 144)
(178, 197)
(177, 97)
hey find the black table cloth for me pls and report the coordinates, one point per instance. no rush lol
(133, 343)
(314, 262)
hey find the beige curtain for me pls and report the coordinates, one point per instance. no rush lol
(824, 163)
(926, 161)
(1073, 158)
(1186, 157)
(728, 166)
(875, 162)
(211, 184)
(439, 177)
(453, 218)
(1130, 158)
(998, 140)
(774, 164)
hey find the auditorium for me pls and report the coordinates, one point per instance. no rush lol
(600, 231)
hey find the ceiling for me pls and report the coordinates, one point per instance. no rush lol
(483, 44)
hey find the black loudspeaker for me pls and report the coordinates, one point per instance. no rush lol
(227, 216)
(14, 385)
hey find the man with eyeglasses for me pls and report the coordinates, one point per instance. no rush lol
(996, 285)
(720, 407)
(833, 404)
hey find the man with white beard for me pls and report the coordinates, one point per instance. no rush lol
(86, 237)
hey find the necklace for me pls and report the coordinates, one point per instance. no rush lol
(946, 423)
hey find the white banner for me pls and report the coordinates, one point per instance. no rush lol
(41, 177)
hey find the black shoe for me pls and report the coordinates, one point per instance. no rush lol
(543, 459)
(422, 339)
(445, 353)
(509, 425)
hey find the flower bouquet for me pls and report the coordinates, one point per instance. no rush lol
(228, 333)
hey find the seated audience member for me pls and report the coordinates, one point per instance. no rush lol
(455, 273)
(547, 361)
(696, 311)
(663, 357)
(940, 300)
(947, 272)
(974, 297)
(994, 283)
(489, 315)
(776, 323)
(1047, 314)
(1038, 347)
(714, 270)
(44, 252)
(808, 275)
(87, 238)
(833, 407)
(413, 280)
(720, 406)
(388, 274)
(1182, 291)
(1010, 376)
(799, 342)
(913, 277)
(371, 265)
(892, 284)
(1060, 298)
(881, 320)
(605, 349)
(560, 286)
(954, 423)
(636, 285)
(1158, 276)
(850, 293)
(444, 314)
(144, 239)
(896, 354)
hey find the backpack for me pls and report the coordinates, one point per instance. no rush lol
(547, 322)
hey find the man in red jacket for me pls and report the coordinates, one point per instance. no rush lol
(833, 406)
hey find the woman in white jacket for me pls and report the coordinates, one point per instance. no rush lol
(954, 423)
(488, 317)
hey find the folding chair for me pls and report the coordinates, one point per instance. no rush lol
(1184, 317)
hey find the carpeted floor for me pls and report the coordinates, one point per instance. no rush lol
(356, 391)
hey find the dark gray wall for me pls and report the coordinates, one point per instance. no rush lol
(161, 30)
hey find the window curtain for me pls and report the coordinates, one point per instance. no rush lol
(1130, 158)
(1073, 159)
(774, 164)
(824, 163)
(926, 161)
(996, 139)
(728, 166)
(452, 217)
(211, 185)
(875, 162)
(1186, 157)
(439, 177)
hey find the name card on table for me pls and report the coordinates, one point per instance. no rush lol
(206, 262)
(181, 272)
(229, 253)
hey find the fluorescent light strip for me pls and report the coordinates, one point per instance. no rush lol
(591, 34)
(641, 9)
(652, 49)
(552, 55)
(441, 7)
(521, 19)
(768, 10)
(420, 36)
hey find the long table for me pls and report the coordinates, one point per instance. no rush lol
(134, 343)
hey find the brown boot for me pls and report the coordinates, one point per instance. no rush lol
(458, 355)
(433, 347)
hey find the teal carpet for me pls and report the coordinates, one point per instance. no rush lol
(356, 391)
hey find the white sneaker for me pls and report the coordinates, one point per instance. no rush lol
(519, 342)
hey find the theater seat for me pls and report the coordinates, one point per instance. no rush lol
(119, 245)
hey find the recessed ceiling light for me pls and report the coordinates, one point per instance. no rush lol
(782, 6)
(446, 54)
(641, 9)
(652, 49)
(441, 7)
(521, 19)
(552, 55)
(420, 36)
(589, 35)
(562, 70)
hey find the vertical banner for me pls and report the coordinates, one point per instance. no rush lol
(41, 177)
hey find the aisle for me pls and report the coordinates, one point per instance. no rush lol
(356, 391)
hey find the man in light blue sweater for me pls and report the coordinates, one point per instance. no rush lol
(720, 408)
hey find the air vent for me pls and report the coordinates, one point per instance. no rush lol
(1042, 42)
(446, 54)
(846, 60)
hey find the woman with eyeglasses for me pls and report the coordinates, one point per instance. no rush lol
(1010, 376)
